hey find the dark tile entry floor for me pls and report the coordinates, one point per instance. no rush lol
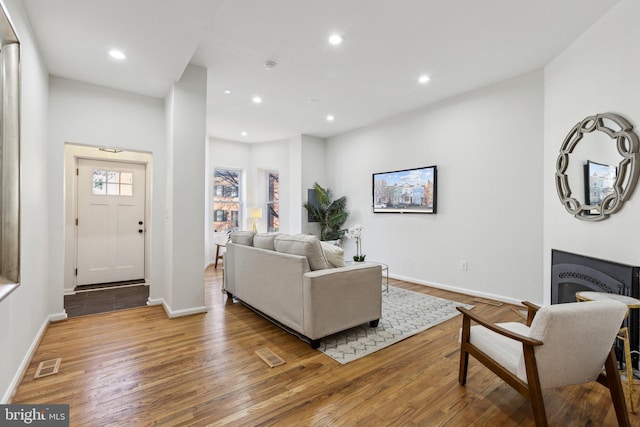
(103, 300)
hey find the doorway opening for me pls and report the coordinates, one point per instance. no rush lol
(107, 229)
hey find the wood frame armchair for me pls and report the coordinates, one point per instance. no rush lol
(549, 351)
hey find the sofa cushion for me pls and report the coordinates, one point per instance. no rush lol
(243, 237)
(265, 240)
(334, 254)
(304, 245)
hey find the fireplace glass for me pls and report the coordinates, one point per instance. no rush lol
(571, 273)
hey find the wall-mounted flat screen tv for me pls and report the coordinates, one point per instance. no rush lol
(406, 191)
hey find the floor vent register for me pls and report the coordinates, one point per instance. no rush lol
(48, 367)
(269, 357)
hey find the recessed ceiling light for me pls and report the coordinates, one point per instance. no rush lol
(117, 54)
(336, 39)
(243, 133)
(227, 91)
(424, 79)
(330, 118)
(256, 100)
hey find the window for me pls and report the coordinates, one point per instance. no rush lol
(226, 200)
(112, 183)
(220, 216)
(273, 205)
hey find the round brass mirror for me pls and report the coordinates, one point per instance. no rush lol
(608, 158)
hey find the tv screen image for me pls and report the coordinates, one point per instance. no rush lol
(406, 191)
(599, 180)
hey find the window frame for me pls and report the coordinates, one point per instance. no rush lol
(10, 148)
(273, 215)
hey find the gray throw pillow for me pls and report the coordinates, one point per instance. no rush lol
(243, 237)
(304, 245)
(265, 241)
(334, 254)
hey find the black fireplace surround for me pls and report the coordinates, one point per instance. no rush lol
(571, 273)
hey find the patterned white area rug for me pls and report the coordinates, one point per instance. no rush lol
(404, 313)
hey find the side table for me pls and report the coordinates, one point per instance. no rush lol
(623, 334)
(218, 254)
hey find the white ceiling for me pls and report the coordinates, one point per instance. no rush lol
(461, 44)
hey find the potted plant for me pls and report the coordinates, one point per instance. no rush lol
(355, 232)
(330, 214)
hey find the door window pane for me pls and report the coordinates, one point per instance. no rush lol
(99, 182)
(112, 183)
(126, 184)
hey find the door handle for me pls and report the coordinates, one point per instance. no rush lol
(139, 222)
(140, 231)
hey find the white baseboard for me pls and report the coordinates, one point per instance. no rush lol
(155, 301)
(176, 313)
(26, 360)
(58, 317)
(69, 291)
(184, 312)
(459, 290)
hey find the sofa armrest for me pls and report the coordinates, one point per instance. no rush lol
(336, 299)
(340, 271)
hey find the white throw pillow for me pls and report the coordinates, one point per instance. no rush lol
(334, 254)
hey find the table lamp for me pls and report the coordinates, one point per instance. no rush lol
(255, 214)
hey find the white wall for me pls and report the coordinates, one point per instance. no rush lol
(597, 73)
(294, 186)
(270, 156)
(313, 170)
(25, 312)
(488, 148)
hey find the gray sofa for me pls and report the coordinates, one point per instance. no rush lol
(290, 281)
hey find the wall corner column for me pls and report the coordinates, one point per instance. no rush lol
(184, 214)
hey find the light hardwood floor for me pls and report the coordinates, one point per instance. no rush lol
(136, 367)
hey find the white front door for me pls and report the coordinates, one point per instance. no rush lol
(110, 222)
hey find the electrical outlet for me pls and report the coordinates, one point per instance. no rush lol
(464, 265)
